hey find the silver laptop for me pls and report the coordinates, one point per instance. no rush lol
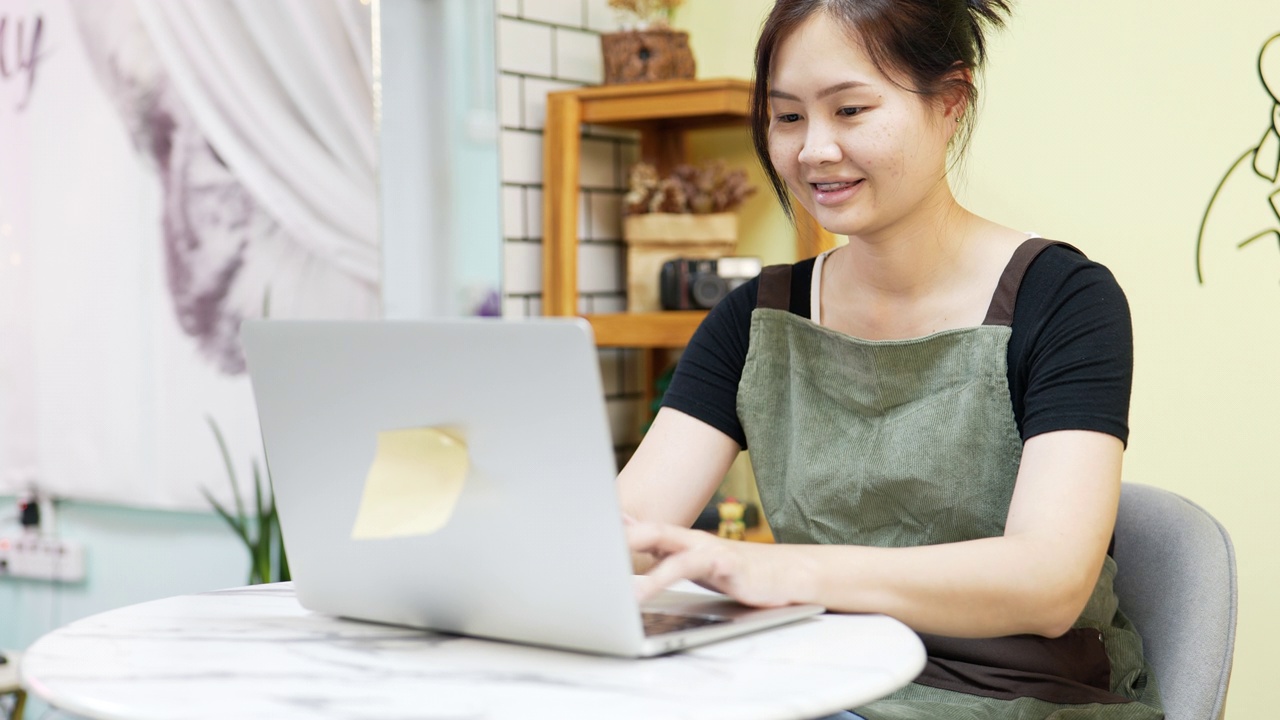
(364, 425)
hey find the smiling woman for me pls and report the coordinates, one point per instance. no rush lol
(895, 141)
(931, 53)
(936, 412)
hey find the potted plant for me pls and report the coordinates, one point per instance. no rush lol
(260, 532)
(691, 213)
(647, 48)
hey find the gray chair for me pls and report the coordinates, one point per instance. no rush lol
(1177, 583)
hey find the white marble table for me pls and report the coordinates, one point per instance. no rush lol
(255, 653)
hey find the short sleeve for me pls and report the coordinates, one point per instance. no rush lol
(705, 385)
(1071, 349)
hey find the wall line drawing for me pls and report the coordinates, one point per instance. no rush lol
(1236, 217)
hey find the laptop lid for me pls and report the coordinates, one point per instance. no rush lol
(527, 546)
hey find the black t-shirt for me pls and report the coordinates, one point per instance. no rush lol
(1070, 351)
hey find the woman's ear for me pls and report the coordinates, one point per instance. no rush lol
(957, 95)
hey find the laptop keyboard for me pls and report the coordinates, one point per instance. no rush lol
(658, 623)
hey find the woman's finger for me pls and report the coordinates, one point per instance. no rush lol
(689, 565)
(657, 539)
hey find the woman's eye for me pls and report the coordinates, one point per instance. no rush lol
(850, 111)
(789, 117)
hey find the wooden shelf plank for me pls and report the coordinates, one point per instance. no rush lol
(710, 102)
(563, 152)
(645, 330)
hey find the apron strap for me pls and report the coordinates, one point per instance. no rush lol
(775, 288)
(1000, 312)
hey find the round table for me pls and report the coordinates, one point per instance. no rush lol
(256, 653)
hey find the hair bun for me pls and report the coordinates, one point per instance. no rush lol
(990, 13)
(993, 12)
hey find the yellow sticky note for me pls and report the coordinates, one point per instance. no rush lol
(413, 484)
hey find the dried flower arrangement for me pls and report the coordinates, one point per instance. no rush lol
(645, 14)
(708, 188)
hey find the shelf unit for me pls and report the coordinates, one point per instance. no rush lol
(663, 113)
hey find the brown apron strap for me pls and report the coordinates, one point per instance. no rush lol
(775, 288)
(1000, 311)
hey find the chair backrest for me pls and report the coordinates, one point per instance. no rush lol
(1177, 583)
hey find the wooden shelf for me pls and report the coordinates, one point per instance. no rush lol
(704, 102)
(662, 112)
(646, 330)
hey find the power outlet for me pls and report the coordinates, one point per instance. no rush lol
(40, 558)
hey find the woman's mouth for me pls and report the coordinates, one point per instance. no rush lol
(832, 193)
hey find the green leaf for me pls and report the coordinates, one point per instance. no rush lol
(235, 523)
(226, 460)
(264, 537)
(257, 493)
(284, 575)
(264, 527)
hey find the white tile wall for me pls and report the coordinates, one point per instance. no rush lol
(521, 157)
(612, 370)
(605, 216)
(578, 56)
(524, 47)
(535, 100)
(599, 164)
(513, 212)
(515, 307)
(510, 104)
(548, 45)
(600, 268)
(610, 304)
(522, 268)
(600, 17)
(556, 12)
(634, 380)
(625, 417)
(533, 210)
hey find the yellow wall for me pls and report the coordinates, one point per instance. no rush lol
(722, 34)
(1109, 125)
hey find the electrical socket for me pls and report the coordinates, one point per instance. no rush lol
(41, 558)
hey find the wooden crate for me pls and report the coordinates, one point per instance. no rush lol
(654, 238)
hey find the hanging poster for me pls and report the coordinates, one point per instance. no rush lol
(168, 170)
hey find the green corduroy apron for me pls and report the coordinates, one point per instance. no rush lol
(913, 442)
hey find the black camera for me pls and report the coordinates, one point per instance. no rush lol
(686, 284)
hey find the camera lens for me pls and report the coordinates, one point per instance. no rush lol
(707, 289)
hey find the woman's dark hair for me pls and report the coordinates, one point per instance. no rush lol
(918, 44)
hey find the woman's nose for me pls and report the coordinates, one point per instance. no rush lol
(819, 148)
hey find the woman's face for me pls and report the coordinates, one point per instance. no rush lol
(860, 153)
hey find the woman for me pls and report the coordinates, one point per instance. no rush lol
(936, 412)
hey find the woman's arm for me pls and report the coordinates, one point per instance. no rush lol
(1036, 578)
(673, 474)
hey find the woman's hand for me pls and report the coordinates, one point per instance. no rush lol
(750, 573)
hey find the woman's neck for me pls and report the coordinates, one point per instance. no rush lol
(914, 257)
(935, 272)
